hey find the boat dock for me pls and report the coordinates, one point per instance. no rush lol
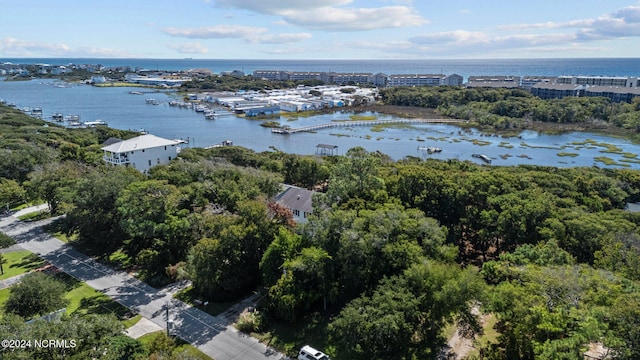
(347, 123)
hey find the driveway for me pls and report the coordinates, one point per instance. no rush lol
(213, 335)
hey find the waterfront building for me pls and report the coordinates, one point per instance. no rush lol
(508, 82)
(262, 111)
(620, 81)
(98, 79)
(614, 93)
(415, 79)
(141, 152)
(304, 75)
(346, 78)
(528, 82)
(556, 91)
(452, 80)
(273, 75)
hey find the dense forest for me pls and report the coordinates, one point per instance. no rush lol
(395, 251)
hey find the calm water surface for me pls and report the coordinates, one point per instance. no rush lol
(122, 110)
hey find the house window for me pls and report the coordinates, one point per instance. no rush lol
(149, 162)
(142, 150)
(296, 212)
(165, 148)
(169, 158)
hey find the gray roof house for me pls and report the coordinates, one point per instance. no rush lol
(298, 200)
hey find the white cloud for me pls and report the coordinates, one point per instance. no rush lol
(332, 15)
(248, 34)
(278, 38)
(17, 47)
(622, 23)
(275, 7)
(449, 37)
(337, 19)
(12, 46)
(189, 48)
(547, 37)
(215, 32)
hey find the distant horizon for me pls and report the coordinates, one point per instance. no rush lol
(464, 67)
(326, 59)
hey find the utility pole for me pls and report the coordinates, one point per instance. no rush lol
(168, 321)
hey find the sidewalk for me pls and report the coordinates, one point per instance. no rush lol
(213, 335)
(8, 282)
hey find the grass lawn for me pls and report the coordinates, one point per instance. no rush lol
(83, 299)
(20, 262)
(4, 296)
(180, 346)
(188, 296)
(134, 320)
(287, 338)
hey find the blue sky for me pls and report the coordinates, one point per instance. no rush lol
(320, 29)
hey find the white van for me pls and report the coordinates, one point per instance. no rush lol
(309, 353)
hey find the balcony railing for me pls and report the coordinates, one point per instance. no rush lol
(116, 161)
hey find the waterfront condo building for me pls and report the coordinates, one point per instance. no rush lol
(141, 152)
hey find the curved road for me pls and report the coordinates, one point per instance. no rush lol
(213, 335)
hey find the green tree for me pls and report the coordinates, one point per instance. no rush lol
(36, 294)
(94, 214)
(52, 182)
(158, 229)
(406, 314)
(11, 194)
(87, 337)
(5, 242)
(302, 284)
(356, 176)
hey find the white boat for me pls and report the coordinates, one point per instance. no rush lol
(485, 158)
(210, 115)
(201, 108)
(430, 149)
(152, 101)
(95, 123)
(57, 117)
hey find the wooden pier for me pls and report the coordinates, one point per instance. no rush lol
(348, 123)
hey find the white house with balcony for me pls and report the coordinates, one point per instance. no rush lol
(141, 152)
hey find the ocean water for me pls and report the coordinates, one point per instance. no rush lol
(466, 68)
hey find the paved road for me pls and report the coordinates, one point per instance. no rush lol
(212, 335)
